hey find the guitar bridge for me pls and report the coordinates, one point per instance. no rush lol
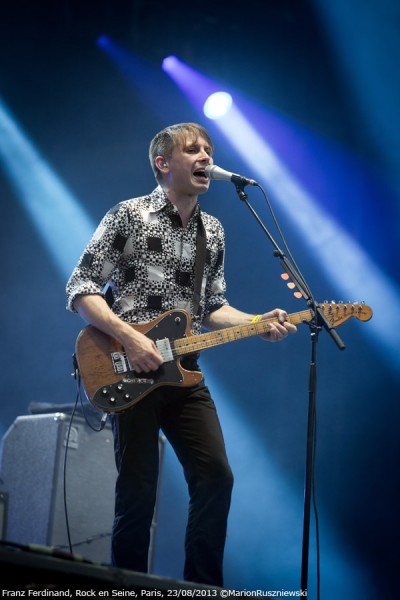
(120, 362)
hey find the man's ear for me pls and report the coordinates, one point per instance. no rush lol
(161, 163)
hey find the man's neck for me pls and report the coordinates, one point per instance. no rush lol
(184, 205)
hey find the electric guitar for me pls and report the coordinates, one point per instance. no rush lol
(112, 386)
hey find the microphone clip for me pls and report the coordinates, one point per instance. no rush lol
(240, 183)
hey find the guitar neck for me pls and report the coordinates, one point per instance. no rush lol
(196, 343)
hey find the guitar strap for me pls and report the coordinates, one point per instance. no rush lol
(201, 251)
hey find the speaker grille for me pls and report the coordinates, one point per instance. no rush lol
(32, 467)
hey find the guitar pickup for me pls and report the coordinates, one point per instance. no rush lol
(164, 348)
(120, 362)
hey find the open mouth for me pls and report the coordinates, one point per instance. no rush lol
(200, 174)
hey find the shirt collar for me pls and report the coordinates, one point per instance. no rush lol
(159, 201)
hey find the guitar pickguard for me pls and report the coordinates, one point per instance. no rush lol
(133, 386)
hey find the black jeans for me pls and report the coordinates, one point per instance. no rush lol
(188, 418)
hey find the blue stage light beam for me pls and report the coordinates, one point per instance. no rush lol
(139, 74)
(57, 215)
(197, 87)
(275, 557)
(130, 66)
(347, 265)
(366, 61)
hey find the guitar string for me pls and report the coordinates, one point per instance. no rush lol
(211, 339)
(215, 338)
(195, 343)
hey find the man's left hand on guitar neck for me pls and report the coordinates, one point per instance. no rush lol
(227, 316)
(279, 326)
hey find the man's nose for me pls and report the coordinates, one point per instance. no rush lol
(205, 156)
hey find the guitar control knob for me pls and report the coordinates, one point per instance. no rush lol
(112, 400)
(127, 397)
(104, 392)
(120, 387)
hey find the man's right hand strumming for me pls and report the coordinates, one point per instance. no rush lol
(142, 352)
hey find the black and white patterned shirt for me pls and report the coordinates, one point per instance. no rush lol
(147, 258)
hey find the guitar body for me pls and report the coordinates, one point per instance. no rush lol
(102, 359)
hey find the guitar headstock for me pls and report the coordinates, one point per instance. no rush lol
(338, 313)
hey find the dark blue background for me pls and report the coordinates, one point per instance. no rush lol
(329, 75)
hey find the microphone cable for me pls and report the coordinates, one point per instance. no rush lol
(76, 375)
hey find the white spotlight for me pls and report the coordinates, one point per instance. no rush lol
(217, 105)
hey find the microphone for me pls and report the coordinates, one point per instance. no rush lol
(214, 172)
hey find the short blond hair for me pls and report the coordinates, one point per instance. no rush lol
(166, 140)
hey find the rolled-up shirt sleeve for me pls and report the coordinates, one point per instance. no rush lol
(100, 257)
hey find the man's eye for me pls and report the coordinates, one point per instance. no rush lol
(194, 150)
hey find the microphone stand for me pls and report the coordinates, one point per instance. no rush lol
(319, 320)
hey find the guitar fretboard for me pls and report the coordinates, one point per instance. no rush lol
(196, 343)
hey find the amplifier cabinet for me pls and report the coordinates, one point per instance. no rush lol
(32, 472)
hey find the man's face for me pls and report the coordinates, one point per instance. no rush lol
(186, 166)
